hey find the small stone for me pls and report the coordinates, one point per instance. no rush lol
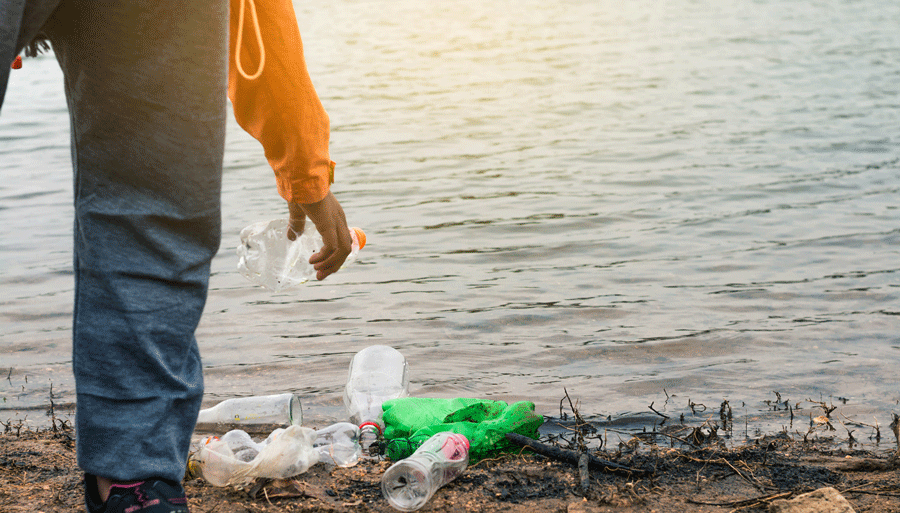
(581, 507)
(823, 500)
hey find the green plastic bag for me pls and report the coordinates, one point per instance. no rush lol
(410, 421)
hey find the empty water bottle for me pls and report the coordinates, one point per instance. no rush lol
(272, 436)
(377, 373)
(286, 455)
(240, 443)
(281, 409)
(338, 444)
(268, 258)
(410, 483)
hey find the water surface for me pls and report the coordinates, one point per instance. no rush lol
(633, 202)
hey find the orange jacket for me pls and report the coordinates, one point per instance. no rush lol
(280, 108)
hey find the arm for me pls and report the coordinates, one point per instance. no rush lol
(281, 109)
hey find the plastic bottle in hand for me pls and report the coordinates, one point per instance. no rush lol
(410, 483)
(338, 444)
(283, 409)
(377, 373)
(268, 258)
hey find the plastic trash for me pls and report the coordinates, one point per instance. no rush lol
(410, 483)
(242, 446)
(409, 421)
(338, 444)
(287, 454)
(377, 373)
(283, 409)
(268, 258)
(271, 436)
(234, 458)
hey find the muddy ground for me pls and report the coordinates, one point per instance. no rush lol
(687, 469)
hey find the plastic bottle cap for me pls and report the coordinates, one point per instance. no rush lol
(360, 236)
(370, 423)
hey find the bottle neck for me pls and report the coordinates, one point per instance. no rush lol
(372, 427)
(369, 433)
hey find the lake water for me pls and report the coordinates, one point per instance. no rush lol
(640, 203)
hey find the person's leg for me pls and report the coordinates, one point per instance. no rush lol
(146, 86)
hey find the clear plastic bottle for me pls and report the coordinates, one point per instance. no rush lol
(377, 373)
(272, 436)
(281, 409)
(211, 462)
(338, 444)
(411, 482)
(268, 258)
(284, 455)
(240, 443)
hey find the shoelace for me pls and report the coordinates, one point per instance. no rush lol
(240, 39)
(141, 495)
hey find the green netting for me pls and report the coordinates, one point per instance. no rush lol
(409, 421)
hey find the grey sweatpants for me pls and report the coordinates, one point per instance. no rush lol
(145, 82)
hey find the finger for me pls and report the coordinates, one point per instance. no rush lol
(320, 256)
(323, 273)
(331, 253)
(327, 262)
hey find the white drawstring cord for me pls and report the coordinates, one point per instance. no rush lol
(240, 38)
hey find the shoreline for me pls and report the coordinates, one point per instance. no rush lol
(696, 467)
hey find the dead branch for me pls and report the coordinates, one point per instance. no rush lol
(765, 499)
(571, 457)
(658, 413)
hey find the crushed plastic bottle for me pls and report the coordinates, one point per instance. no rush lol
(285, 455)
(377, 373)
(410, 483)
(235, 458)
(338, 444)
(268, 258)
(283, 409)
(242, 446)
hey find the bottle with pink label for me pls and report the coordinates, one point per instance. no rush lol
(411, 482)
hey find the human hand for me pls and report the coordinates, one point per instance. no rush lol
(328, 216)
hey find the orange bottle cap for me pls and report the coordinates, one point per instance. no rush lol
(360, 236)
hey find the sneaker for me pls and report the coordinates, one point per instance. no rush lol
(150, 496)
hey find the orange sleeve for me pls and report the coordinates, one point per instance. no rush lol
(280, 108)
